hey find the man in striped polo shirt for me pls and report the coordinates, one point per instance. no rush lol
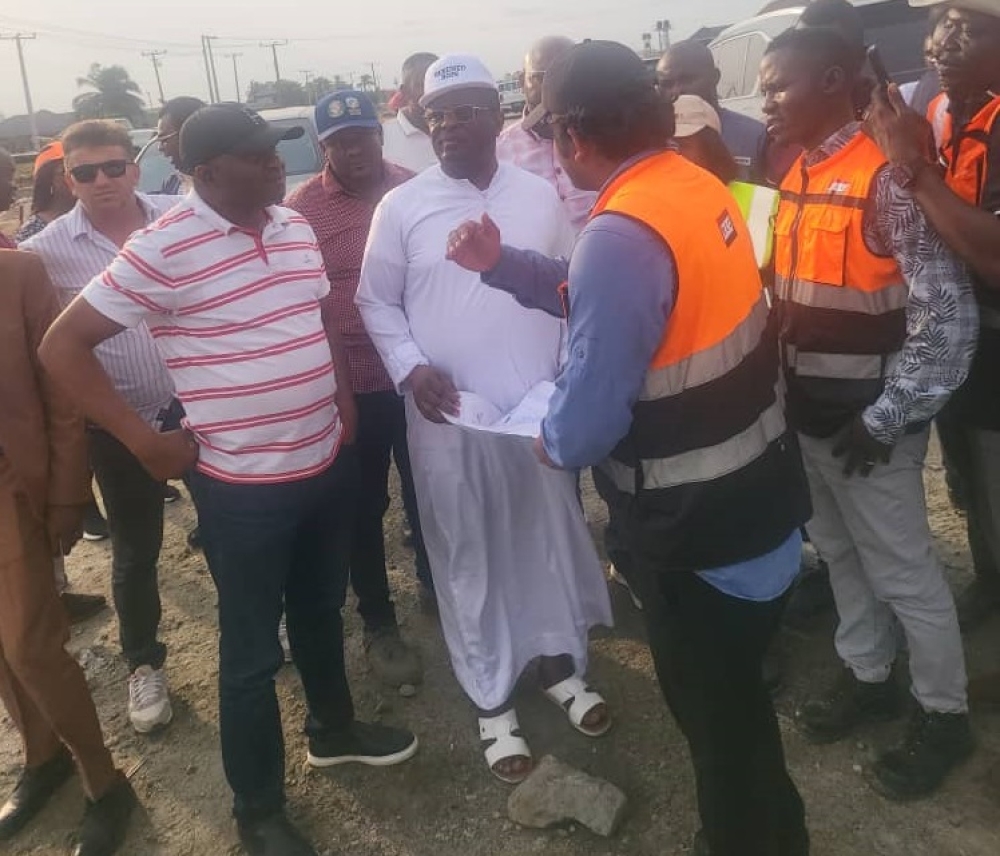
(230, 286)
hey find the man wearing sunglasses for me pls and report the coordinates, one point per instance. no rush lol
(232, 286)
(75, 248)
(528, 143)
(514, 566)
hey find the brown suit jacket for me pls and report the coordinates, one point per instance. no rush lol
(41, 435)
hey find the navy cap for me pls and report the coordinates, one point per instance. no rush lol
(347, 108)
(229, 129)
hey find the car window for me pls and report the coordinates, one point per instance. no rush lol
(730, 59)
(756, 45)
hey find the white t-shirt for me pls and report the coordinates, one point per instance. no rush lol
(406, 145)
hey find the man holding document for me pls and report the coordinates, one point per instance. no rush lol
(515, 571)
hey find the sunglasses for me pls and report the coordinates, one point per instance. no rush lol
(460, 115)
(87, 173)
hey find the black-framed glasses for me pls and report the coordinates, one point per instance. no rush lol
(86, 173)
(461, 115)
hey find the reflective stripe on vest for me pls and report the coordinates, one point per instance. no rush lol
(708, 406)
(963, 155)
(842, 308)
(758, 205)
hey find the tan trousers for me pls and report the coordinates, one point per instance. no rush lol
(42, 686)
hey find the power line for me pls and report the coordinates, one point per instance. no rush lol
(155, 57)
(19, 39)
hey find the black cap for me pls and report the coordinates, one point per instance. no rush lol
(229, 129)
(594, 76)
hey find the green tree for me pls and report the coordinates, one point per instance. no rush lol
(113, 94)
(366, 83)
(318, 87)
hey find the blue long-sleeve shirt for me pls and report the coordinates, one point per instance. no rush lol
(624, 280)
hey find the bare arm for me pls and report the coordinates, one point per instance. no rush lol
(345, 389)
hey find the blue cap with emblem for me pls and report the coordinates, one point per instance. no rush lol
(347, 108)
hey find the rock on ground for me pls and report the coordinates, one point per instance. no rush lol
(558, 793)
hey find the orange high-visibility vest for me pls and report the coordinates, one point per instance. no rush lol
(963, 155)
(708, 454)
(841, 307)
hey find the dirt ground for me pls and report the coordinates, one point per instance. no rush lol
(444, 802)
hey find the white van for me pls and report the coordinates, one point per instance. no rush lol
(511, 95)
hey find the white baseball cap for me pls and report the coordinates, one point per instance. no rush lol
(692, 113)
(456, 71)
(987, 7)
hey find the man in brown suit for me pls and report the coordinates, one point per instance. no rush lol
(44, 484)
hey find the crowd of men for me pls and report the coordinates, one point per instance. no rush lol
(731, 391)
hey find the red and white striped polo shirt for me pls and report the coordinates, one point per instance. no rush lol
(236, 317)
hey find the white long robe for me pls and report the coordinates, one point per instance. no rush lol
(514, 565)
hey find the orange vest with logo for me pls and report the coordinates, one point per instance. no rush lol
(841, 307)
(708, 454)
(963, 155)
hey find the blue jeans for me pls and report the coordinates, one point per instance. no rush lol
(272, 547)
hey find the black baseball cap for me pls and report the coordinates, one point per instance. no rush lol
(594, 76)
(229, 129)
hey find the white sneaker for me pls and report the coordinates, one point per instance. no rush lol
(286, 647)
(148, 699)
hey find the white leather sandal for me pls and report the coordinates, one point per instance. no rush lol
(501, 736)
(577, 700)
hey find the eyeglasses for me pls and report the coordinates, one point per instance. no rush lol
(461, 115)
(86, 173)
(162, 138)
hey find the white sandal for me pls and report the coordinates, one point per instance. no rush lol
(577, 699)
(503, 735)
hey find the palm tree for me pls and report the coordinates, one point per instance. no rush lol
(366, 83)
(113, 95)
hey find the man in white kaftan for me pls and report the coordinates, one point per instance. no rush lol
(514, 566)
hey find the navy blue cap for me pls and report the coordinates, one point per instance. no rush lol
(347, 108)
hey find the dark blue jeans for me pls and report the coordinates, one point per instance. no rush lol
(274, 546)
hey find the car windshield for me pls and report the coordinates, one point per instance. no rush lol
(301, 157)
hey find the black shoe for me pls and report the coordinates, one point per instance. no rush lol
(273, 836)
(363, 743)
(978, 602)
(846, 705)
(80, 607)
(32, 791)
(170, 493)
(934, 744)
(194, 538)
(105, 821)
(95, 527)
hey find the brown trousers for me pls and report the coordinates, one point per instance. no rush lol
(42, 686)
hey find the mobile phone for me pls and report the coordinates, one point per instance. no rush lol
(877, 66)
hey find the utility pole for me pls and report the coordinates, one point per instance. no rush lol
(274, 54)
(208, 69)
(236, 74)
(155, 57)
(375, 86)
(18, 39)
(211, 65)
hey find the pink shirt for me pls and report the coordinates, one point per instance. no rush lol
(537, 155)
(236, 317)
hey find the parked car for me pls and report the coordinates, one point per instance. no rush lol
(511, 95)
(893, 25)
(303, 157)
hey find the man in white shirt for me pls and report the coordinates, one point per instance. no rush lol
(405, 139)
(514, 567)
(74, 249)
(528, 143)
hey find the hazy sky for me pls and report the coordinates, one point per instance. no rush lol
(323, 38)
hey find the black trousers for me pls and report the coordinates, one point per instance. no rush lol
(708, 647)
(381, 437)
(134, 504)
(274, 547)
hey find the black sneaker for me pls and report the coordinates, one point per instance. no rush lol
(846, 705)
(95, 527)
(273, 836)
(105, 821)
(933, 745)
(33, 790)
(170, 493)
(363, 743)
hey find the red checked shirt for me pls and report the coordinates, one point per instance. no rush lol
(341, 222)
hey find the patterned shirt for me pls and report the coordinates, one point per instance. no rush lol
(74, 252)
(341, 222)
(236, 315)
(942, 320)
(31, 227)
(524, 148)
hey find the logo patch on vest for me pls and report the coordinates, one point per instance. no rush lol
(727, 228)
(838, 186)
